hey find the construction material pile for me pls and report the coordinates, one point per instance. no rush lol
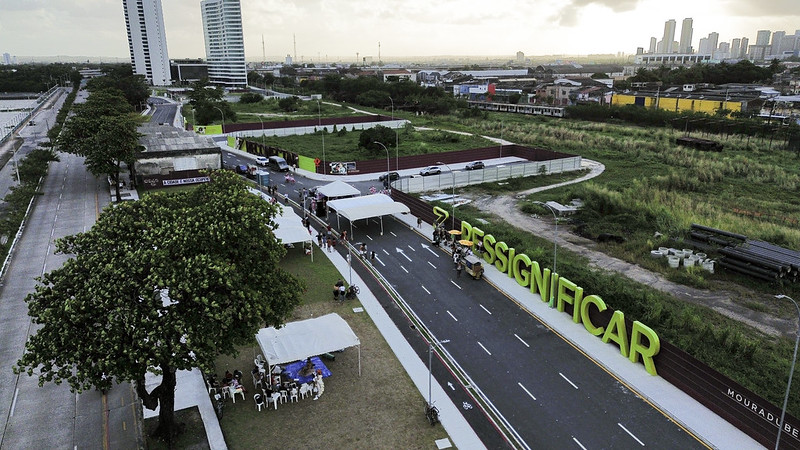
(758, 259)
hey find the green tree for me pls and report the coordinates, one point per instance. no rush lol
(250, 97)
(209, 104)
(103, 130)
(121, 77)
(379, 133)
(163, 284)
(289, 104)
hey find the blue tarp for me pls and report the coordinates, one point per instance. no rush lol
(292, 370)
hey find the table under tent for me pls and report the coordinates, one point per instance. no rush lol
(366, 207)
(300, 340)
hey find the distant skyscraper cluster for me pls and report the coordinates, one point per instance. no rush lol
(768, 45)
(224, 41)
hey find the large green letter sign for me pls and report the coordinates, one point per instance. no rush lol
(644, 341)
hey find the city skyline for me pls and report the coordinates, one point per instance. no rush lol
(339, 30)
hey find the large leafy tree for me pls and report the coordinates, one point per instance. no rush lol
(208, 103)
(133, 87)
(103, 130)
(163, 284)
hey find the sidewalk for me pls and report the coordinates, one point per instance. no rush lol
(671, 401)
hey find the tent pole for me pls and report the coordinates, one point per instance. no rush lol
(381, 225)
(359, 359)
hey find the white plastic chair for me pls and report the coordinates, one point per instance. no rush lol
(259, 399)
(284, 395)
(275, 398)
(293, 395)
(234, 391)
(305, 390)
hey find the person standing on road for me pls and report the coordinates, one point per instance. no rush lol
(419, 222)
(459, 268)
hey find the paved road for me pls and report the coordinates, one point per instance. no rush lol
(51, 416)
(550, 393)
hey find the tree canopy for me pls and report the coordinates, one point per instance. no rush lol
(209, 104)
(133, 87)
(36, 77)
(104, 131)
(162, 284)
(740, 72)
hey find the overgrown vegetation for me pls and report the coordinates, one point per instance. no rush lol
(31, 169)
(31, 78)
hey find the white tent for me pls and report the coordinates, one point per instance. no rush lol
(338, 189)
(375, 205)
(290, 227)
(311, 337)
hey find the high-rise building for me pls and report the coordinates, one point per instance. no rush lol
(743, 48)
(777, 38)
(147, 40)
(669, 37)
(222, 29)
(520, 57)
(6, 59)
(735, 48)
(652, 45)
(762, 37)
(685, 45)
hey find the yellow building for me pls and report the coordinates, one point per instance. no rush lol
(681, 101)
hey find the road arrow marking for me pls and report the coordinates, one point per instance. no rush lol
(428, 248)
(450, 385)
(399, 250)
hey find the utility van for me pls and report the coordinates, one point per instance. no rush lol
(278, 163)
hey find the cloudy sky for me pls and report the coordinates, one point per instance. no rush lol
(335, 30)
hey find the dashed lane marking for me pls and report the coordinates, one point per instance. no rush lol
(568, 381)
(454, 284)
(627, 431)
(526, 391)
(523, 342)
(484, 348)
(431, 264)
(451, 315)
(484, 308)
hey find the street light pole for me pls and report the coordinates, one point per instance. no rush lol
(388, 180)
(319, 123)
(430, 365)
(555, 243)
(223, 118)
(454, 191)
(791, 373)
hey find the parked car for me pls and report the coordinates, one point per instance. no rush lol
(262, 160)
(241, 169)
(430, 170)
(278, 163)
(475, 165)
(392, 176)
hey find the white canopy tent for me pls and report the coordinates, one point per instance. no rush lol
(290, 227)
(375, 205)
(304, 338)
(338, 189)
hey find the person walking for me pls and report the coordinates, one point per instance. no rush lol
(459, 268)
(419, 222)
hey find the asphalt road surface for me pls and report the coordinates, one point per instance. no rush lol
(549, 393)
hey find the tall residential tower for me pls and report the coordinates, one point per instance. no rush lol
(686, 36)
(147, 40)
(222, 28)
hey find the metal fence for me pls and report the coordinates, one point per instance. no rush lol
(459, 178)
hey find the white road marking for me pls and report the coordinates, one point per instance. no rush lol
(370, 238)
(526, 391)
(399, 250)
(392, 233)
(404, 269)
(451, 315)
(431, 264)
(627, 431)
(384, 251)
(454, 284)
(570, 382)
(424, 289)
(14, 403)
(484, 348)
(578, 442)
(379, 260)
(484, 308)
(520, 339)
(426, 247)
(412, 248)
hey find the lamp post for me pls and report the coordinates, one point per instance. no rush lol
(555, 242)
(396, 141)
(430, 365)
(223, 118)
(791, 373)
(454, 191)
(388, 180)
(319, 123)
